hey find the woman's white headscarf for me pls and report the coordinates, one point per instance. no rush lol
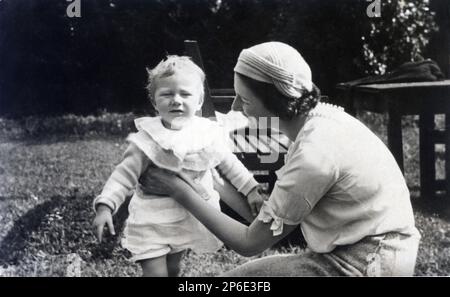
(278, 64)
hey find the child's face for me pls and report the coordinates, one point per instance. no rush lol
(178, 98)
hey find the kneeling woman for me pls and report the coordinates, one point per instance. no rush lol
(340, 182)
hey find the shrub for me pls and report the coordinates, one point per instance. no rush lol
(399, 35)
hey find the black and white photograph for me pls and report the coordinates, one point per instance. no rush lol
(224, 138)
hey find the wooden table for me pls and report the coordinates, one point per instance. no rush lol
(425, 99)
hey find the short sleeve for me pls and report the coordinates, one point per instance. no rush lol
(307, 176)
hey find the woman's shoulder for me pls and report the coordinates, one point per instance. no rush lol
(329, 124)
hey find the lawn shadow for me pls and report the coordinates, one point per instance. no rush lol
(61, 225)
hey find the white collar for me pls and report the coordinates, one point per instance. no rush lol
(195, 136)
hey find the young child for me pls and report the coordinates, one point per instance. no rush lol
(159, 229)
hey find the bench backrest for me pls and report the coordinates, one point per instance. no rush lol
(192, 50)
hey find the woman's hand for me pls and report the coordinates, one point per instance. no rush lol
(158, 181)
(163, 182)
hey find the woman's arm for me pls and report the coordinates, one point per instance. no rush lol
(247, 241)
(123, 179)
(243, 181)
(229, 194)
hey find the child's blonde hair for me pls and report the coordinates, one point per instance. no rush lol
(168, 67)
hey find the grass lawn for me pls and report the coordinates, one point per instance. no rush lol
(51, 169)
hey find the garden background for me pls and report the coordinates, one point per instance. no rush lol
(71, 87)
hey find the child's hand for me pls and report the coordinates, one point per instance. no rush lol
(255, 199)
(103, 217)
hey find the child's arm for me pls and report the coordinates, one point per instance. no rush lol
(239, 176)
(120, 183)
(123, 179)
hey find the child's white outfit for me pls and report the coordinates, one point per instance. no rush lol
(159, 225)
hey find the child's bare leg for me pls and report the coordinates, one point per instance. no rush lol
(156, 267)
(173, 263)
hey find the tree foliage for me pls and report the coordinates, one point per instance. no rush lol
(53, 64)
(400, 35)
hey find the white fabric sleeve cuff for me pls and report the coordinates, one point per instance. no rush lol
(248, 186)
(267, 215)
(104, 200)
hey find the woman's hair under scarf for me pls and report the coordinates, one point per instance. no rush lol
(278, 64)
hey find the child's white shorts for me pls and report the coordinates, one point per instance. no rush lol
(159, 226)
